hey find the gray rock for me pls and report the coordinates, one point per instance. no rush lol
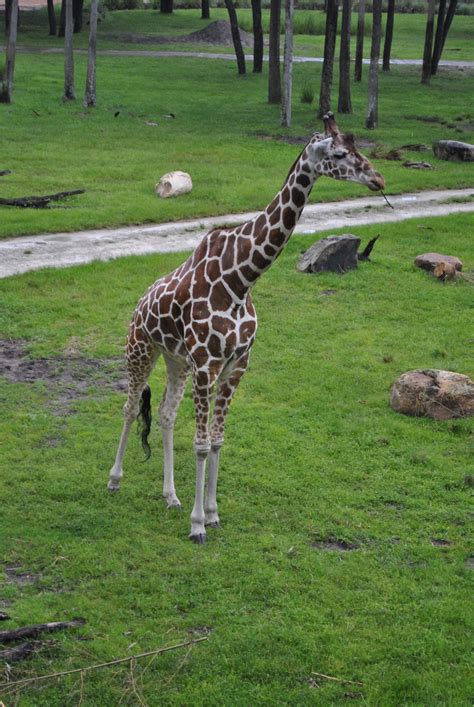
(454, 150)
(334, 253)
(441, 395)
(428, 261)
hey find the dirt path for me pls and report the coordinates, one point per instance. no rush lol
(60, 250)
(447, 63)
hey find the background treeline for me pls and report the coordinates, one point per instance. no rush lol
(404, 7)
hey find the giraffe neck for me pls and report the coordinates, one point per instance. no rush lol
(270, 231)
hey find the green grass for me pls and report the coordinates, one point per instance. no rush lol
(313, 451)
(309, 28)
(220, 136)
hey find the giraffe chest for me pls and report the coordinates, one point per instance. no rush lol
(191, 328)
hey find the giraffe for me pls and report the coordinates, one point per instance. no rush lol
(201, 319)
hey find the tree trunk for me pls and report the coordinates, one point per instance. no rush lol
(344, 104)
(205, 13)
(328, 62)
(166, 7)
(373, 93)
(426, 69)
(387, 47)
(62, 19)
(8, 12)
(90, 99)
(234, 27)
(360, 42)
(287, 65)
(274, 79)
(438, 36)
(7, 85)
(69, 94)
(446, 25)
(77, 8)
(51, 18)
(257, 36)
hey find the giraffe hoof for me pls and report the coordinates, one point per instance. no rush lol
(213, 524)
(173, 503)
(199, 538)
(113, 485)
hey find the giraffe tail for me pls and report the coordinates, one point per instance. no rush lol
(144, 420)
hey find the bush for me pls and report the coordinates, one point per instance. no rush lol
(307, 94)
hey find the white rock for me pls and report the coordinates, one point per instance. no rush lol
(173, 184)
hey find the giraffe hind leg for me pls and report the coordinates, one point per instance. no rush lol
(141, 358)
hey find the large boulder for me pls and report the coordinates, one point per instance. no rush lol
(429, 261)
(454, 150)
(433, 393)
(334, 253)
(174, 184)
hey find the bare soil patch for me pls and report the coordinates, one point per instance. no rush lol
(332, 544)
(70, 377)
(16, 575)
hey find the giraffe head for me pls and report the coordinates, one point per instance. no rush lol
(335, 155)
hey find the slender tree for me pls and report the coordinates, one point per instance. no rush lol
(234, 28)
(257, 36)
(166, 7)
(69, 93)
(6, 90)
(8, 12)
(373, 92)
(438, 40)
(344, 104)
(51, 18)
(328, 61)
(274, 78)
(360, 41)
(438, 50)
(205, 11)
(387, 47)
(427, 53)
(77, 14)
(90, 98)
(287, 65)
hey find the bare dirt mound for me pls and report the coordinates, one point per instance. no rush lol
(215, 33)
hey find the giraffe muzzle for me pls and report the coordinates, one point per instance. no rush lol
(377, 182)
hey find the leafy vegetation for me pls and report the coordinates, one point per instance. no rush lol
(224, 135)
(344, 547)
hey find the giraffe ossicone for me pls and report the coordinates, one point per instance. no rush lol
(201, 319)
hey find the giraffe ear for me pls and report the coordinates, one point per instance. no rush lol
(320, 148)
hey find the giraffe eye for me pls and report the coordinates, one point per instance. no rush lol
(339, 154)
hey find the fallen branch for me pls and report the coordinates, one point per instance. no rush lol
(4, 172)
(368, 249)
(4, 616)
(88, 668)
(39, 202)
(23, 650)
(330, 677)
(16, 634)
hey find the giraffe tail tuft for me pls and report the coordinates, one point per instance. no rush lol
(144, 420)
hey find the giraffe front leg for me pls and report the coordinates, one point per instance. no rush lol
(203, 382)
(226, 389)
(177, 376)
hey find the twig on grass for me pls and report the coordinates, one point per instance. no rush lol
(128, 659)
(331, 677)
(39, 202)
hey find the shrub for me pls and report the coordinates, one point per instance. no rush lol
(307, 94)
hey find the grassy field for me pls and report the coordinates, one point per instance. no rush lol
(309, 31)
(225, 135)
(314, 456)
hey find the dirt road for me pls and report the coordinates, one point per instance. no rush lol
(60, 250)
